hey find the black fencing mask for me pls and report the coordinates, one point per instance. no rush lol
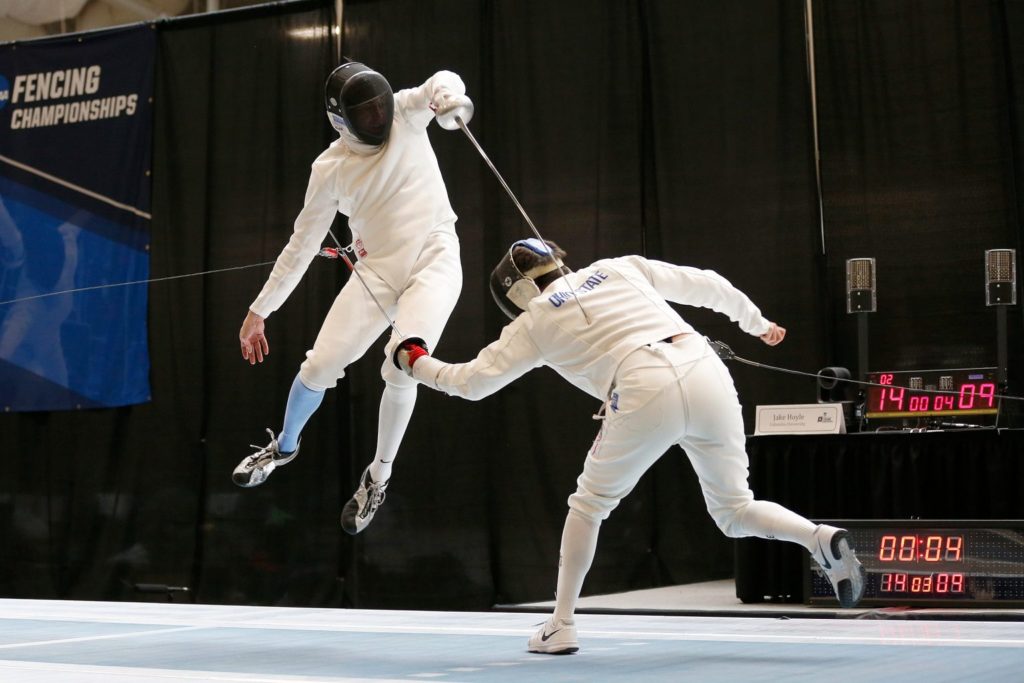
(511, 288)
(359, 100)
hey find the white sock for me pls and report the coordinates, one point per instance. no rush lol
(765, 519)
(579, 542)
(395, 410)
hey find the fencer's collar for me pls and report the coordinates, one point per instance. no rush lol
(552, 276)
(358, 146)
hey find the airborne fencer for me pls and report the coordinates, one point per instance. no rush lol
(608, 329)
(382, 173)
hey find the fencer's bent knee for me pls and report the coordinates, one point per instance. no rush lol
(730, 520)
(593, 506)
(315, 376)
(395, 377)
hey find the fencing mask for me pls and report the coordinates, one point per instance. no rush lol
(359, 100)
(513, 288)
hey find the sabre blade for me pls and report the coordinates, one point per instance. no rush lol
(351, 266)
(508, 190)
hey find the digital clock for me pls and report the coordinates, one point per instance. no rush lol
(932, 393)
(932, 563)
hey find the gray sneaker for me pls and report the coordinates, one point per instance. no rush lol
(359, 511)
(555, 637)
(255, 469)
(839, 564)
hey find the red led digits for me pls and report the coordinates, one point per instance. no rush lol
(896, 396)
(929, 583)
(954, 548)
(915, 548)
(966, 401)
(932, 548)
(987, 392)
(887, 549)
(908, 548)
(926, 548)
(960, 391)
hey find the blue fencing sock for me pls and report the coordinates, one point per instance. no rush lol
(302, 403)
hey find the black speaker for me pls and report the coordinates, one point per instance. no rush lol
(860, 285)
(1000, 277)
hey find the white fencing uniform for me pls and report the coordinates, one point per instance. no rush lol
(656, 393)
(403, 232)
(661, 385)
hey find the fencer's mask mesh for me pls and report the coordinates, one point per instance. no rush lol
(513, 289)
(359, 100)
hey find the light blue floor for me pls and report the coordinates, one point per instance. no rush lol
(89, 642)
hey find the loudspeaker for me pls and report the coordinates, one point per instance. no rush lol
(860, 285)
(1000, 277)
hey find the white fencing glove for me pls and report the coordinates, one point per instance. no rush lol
(408, 351)
(447, 106)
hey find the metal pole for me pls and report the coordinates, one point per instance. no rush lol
(809, 28)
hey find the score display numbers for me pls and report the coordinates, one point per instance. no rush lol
(932, 563)
(932, 393)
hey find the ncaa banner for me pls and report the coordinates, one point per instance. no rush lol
(75, 154)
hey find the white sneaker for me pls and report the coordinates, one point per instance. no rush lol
(839, 564)
(255, 469)
(555, 638)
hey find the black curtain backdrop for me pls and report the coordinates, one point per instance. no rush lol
(918, 167)
(678, 130)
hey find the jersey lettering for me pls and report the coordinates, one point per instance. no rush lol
(558, 298)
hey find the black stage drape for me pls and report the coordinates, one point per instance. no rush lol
(679, 130)
(236, 134)
(918, 167)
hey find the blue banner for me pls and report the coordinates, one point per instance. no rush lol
(75, 155)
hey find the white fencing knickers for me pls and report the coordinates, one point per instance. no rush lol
(354, 322)
(680, 393)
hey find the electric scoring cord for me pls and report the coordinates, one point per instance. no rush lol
(725, 353)
(134, 282)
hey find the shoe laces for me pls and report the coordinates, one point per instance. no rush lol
(375, 493)
(262, 451)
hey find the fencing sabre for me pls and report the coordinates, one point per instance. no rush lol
(465, 129)
(328, 252)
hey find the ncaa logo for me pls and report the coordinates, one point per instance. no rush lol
(5, 91)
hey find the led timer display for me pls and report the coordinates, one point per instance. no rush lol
(932, 563)
(932, 393)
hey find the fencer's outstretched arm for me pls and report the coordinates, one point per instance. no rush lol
(704, 289)
(499, 363)
(442, 95)
(309, 231)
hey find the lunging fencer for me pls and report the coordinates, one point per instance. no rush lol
(382, 173)
(660, 383)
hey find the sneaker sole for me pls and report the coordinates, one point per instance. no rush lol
(561, 651)
(249, 480)
(848, 595)
(348, 518)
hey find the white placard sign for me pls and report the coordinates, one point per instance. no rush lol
(800, 418)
